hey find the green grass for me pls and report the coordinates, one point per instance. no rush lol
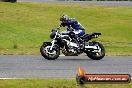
(54, 83)
(24, 26)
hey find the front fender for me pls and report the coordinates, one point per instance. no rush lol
(47, 43)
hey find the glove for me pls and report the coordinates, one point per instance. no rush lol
(64, 24)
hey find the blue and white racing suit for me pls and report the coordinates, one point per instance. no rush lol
(78, 29)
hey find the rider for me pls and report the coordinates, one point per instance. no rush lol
(73, 24)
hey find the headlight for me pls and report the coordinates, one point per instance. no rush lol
(52, 35)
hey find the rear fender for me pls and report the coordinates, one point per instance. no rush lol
(95, 35)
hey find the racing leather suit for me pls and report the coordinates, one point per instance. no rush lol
(78, 29)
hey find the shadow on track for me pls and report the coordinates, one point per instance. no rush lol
(73, 58)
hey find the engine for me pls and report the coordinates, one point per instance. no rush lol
(71, 48)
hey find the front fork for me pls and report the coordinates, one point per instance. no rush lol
(53, 42)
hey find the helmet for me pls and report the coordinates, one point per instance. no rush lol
(64, 18)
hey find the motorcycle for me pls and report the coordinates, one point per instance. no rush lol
(72, 45)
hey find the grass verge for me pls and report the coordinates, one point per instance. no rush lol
(54, 83)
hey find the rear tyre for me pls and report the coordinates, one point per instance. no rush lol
(96, 55)
(50, 55)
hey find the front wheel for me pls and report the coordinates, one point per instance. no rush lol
(96, 54)
(48, 54)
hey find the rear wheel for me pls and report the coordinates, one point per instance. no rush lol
(96, 54)
(50, 54)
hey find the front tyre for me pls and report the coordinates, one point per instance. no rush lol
(96, 54)
(48, 54)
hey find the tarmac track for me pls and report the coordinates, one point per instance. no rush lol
(35, 66)
(105, 3)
